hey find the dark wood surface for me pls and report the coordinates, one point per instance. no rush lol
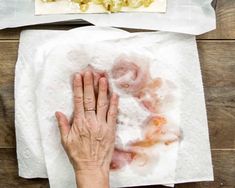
(217, 57)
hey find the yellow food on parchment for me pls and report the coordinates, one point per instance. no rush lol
(110, 5)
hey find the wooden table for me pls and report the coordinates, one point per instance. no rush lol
(217, 57)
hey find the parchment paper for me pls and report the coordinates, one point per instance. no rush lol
(183, 16)
(67, 7)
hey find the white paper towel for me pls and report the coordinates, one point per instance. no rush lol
(183, 16)
(185, 53)
(54, 92)
(29, 151)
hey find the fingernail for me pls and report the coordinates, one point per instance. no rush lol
(77, 76)
(103, 80)
(87, 73)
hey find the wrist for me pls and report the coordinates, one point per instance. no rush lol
(98, 178)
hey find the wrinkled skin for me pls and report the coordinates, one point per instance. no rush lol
(89, 140)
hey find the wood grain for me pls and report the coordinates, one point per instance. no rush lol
(225, 18)
(223, 169)
(218, 66)
(14, 33)
(218, 70)
(225, 14)
(8, 53)
(9, 173)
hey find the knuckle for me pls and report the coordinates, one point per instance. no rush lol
(78, 99)
(77, 116)
(88, 101)
(102, 104)
(77, 84)
(76, 120)
(112, 113)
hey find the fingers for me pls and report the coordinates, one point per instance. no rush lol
(63, 124)
(102, 102)
(113, 111)
(89, 95)
(85, 100)
(78, 96)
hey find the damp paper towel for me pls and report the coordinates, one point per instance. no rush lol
(38, 137)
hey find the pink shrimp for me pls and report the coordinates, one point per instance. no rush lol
(157, 131)
(129, 76)
(121, 158)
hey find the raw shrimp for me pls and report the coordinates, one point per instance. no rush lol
(134, 79)
(129, 76)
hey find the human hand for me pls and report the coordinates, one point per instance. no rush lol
(89, 140)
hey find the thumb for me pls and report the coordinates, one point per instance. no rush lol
(63, 124)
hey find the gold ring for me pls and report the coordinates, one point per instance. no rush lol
(89, 109)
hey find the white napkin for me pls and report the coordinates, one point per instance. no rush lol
(183, 57)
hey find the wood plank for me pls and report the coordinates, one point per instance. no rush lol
(221, 117)
(8, 53)
(10, 33)
(218, 71)
(218, 65)
(14, 33)
(223, 162)
(9, 173)
(225, 13)
(224, 171)
(225, 18)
